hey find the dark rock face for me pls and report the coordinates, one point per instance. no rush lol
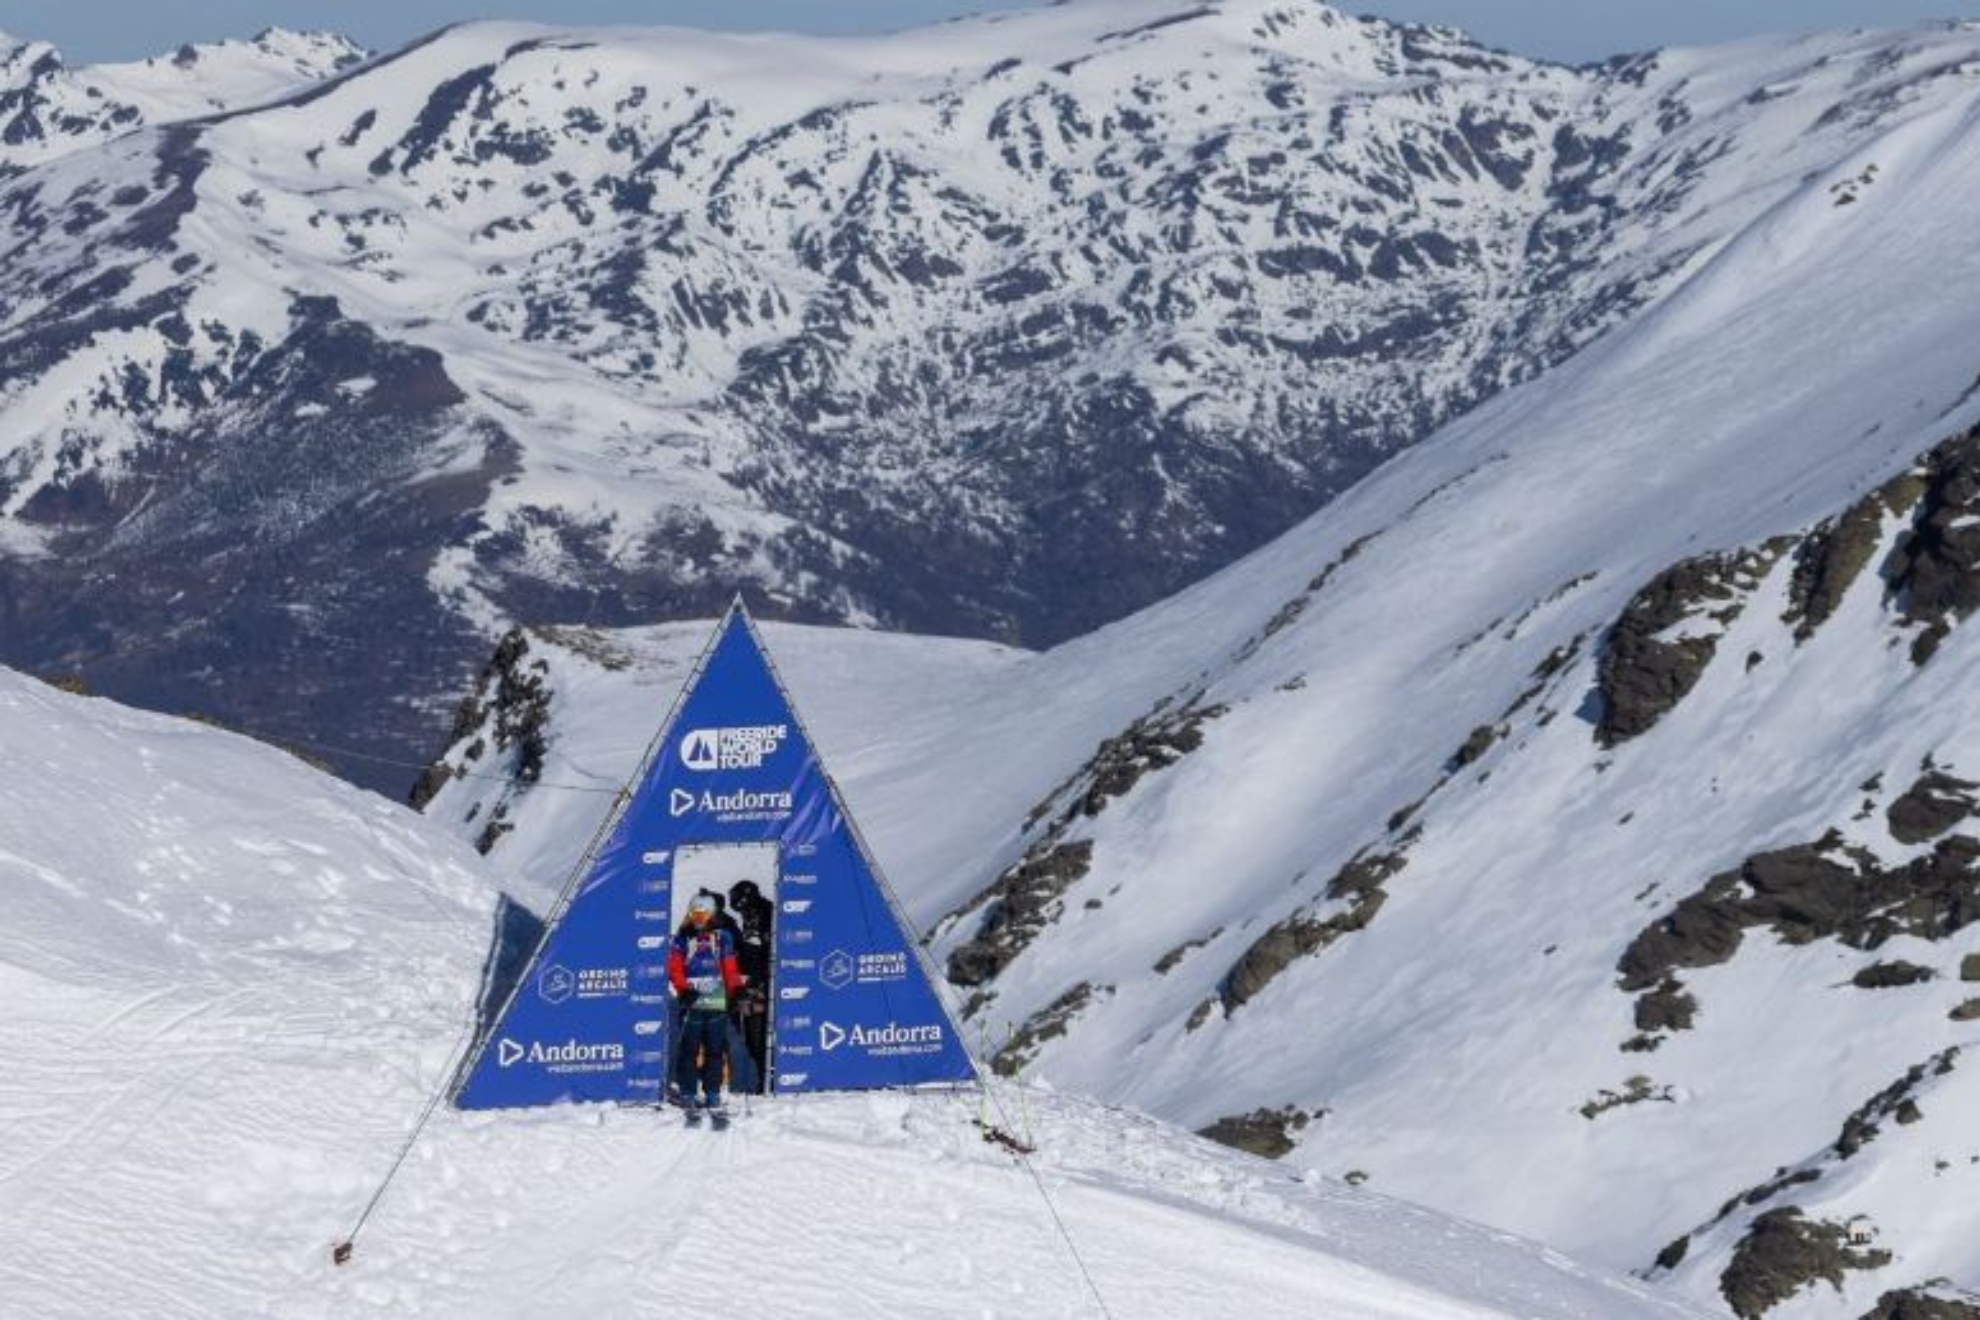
(507, 715)
(1919, 1304)
(1027, 897)
(1775, 1234)
(1832, 557)
(1359, 883)
(1643, 673)
(1932, 806)
(1897, 1101)
(1637, 1090)
(1931, 574)
(1890, 975)
(1049, 1023)
(1271, 1133)
(1823, 890)
(1782, 1253)
(1023, 901)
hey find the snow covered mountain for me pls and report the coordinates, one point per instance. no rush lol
(1571, 827)
(48, 109)
(232, 981)
(1001, 328)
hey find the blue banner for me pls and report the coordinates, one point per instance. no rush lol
(852, 1004)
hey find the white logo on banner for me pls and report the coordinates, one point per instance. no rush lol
(836, 969)
(742, 748)
(555, 984)
(830, 1035)
(508, 1052)
(681, 803)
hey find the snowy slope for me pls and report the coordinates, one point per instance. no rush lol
(1386, 845)
(999, 328)
(48, 109)
(231, 982)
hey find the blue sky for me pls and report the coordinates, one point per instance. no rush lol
(1561, 29)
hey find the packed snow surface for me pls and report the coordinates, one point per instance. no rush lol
(232, 982)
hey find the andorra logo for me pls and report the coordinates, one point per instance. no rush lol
(681, 803)
(508, 1052)
(830, 1035)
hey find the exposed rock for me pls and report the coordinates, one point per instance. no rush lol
(1931, 574)
(1667, 634)
(510, 705)
(1920, 1304)
(1784, 1252)
(1359, 883)
(1636, 1091)
(1824, 890)
(1167, 962)
(1154, 742)
(1930, 807)
(1966, 1012)
(1266, 1132)
(1023, 901)
(1475, 746)
(1863, 1127)
(1835, 554)
(1669, 1007)
(1027, 897)
(1049, 1023)
(1969, 967)
(1891, 975)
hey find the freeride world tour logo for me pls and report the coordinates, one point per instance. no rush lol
(742, 748)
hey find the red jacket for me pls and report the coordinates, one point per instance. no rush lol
(702, 953)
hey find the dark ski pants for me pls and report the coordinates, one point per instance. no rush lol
(704, 1036)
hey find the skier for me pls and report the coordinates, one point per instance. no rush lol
(702, 969)
(754, 916)
(745, 1069)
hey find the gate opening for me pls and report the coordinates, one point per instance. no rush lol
(742, 877)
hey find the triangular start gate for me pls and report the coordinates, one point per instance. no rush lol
(854, 1008)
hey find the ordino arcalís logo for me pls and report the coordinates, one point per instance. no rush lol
(742, 748)
(891, 1039)
(572, 1056)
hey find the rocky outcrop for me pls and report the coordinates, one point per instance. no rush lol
(1784, 1252)
(1823, 890)
(1359, 885)
(1668, 633)
(1932, 574)
(1832, 557)
(1023, 901)
(1637, 1090)
(1271, 1133)
(1891, 975)
(1026, 898)
(1049, 1023)
(1922, 1304)
(1932, 806)
(1897, 1102)
(501, 730)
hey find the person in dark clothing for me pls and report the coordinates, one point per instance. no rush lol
(702, 969)
(745, 1067)
(755, 916)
